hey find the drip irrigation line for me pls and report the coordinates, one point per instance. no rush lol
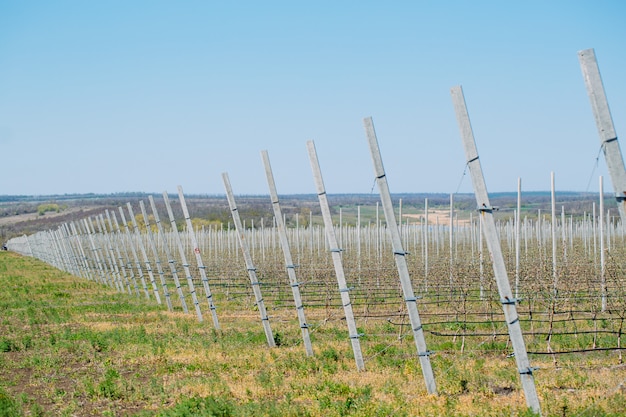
(564, 352)
(551, 333)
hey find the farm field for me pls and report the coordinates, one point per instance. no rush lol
(127, 329)
(71, 346)
(310, 304)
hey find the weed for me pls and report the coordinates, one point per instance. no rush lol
(126, 353)
(330, 354)
(8, 345)
(108, 387)
(387, 355)
(201, 407)
(37, 410)
(27, 342)
(278, 339)
(8, 405)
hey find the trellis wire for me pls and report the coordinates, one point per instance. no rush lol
(493, 243)
(254, 281)
(168, 254)
(336, 257)
(289, 265)
(579, 269)
(196, 250)
(400, 259)
(183, 257)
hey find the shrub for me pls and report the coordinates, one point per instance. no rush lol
(49, 207)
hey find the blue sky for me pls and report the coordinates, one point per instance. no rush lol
(116, 96)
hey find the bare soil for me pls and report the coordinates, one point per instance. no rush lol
(35, 216)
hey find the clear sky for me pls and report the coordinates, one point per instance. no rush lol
(117, 96)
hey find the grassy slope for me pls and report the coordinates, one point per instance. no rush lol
(73, 347)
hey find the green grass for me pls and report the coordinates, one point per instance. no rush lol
(76, 348)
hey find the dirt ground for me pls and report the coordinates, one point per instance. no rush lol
(441, 217)
(35, 216)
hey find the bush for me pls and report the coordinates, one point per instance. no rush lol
(45, 208)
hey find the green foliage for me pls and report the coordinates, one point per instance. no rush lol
(278, 338)
(108, 387)
(388, 355)
(198, 223)
(494, 345)
(8, 405)
(330, 360)
(341, 398)
(48, 207)
(8, 345)
(330, 354)
(200, 407)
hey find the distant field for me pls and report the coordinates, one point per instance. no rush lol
(73, 347)
(25, 217)
(19, 214)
